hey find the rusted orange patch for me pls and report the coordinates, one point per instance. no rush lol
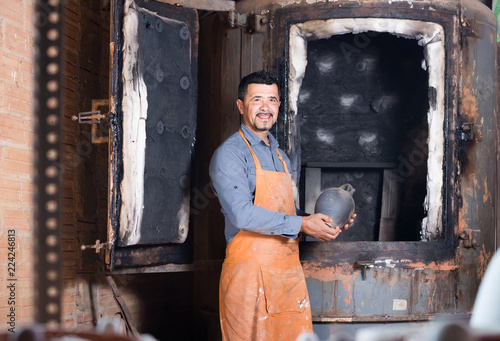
(342, 272)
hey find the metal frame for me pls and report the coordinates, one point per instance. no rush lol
(48, 117)
(428, 252)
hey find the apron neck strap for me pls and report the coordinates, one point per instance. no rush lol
(257, 163)
(256, 160)
(282, 161)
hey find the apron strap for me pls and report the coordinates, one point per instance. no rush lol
(282, 161)
(257, 163)
(256, 160)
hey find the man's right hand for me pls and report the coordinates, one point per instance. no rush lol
(315, 226)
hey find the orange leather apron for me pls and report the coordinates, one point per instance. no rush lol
(262, 292)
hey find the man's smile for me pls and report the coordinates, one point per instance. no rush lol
(265, 116)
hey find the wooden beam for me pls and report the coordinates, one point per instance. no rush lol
(207, 5)
(390, 206)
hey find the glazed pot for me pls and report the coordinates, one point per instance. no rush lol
(337, 203)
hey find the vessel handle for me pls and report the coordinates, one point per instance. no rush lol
(348, 188)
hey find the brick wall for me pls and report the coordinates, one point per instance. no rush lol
(87, 297)
(16, 158)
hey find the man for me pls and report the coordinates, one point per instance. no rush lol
(263, 295)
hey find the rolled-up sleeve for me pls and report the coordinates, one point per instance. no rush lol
(228, 172)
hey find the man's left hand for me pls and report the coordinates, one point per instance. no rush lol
(346, 226)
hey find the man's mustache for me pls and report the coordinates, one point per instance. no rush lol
(264, 113)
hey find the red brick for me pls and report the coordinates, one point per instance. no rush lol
(27, 192)
(23, 187)
(30, 14)
(20, 41)
(25, 256)
(17, 70)
(83, 317)
(20, 168)
(10, 127)
(10, 190)
(11, 135)
(25, 317)
(18, 155)
(24, 270)
(17, 219)
(18, 105)
(18, 100)
(12, 10)
(15, 215)
(29, 137)
(22, 233)
(68, 298)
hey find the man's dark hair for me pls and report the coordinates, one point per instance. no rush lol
(258, 77)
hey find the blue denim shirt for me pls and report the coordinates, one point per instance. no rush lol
(232, 171)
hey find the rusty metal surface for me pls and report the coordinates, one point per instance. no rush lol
(359, 282)
(262, 6)
(201, 265)
(153, 255)
(96, 137)
(115, 139)
(207, 5)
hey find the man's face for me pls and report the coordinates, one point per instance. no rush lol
(260, 107)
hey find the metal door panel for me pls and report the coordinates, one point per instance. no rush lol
(154, 97)
(402, 294)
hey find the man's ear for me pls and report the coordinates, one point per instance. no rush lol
(239, 104)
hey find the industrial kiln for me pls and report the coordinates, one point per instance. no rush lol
(397, 98)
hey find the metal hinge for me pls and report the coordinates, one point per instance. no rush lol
(469, 238)
(257, 23)
(469, 28)
(237, 19)
(94, 117)
(254, 23)
(470, 132)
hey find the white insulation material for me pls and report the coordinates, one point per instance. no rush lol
(431, 37)
(135, 107)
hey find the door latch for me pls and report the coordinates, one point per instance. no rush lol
(470, 132)
(89, 117)
(97, 246)
(94, 117)
(363, 265)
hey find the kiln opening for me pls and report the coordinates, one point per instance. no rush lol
(366, 108)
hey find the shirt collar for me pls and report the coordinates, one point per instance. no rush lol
(254, 139)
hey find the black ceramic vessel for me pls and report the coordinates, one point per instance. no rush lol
(337, 203)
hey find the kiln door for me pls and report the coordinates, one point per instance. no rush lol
(153, 122)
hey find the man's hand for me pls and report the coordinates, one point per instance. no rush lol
(318, 226)
(346, 226)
